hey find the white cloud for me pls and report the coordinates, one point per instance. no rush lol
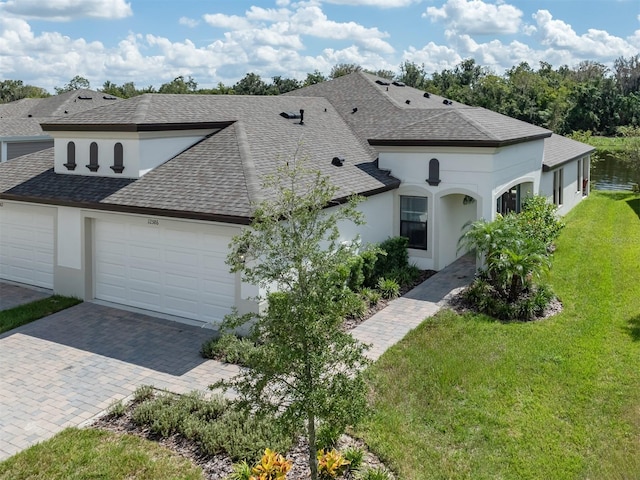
(312, 21)
(232, 22)
(476, 16)
(188, 22)
(597, 44)
(375, 3)
(64, 10)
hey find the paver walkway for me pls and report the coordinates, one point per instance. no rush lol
(388, 326)
(66, 368)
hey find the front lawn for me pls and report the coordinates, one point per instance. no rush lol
(95, 454)
(17, 316)
(470, 397)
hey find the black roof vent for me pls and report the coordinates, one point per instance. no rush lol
(290, 115)
(29, 115)
(447, 102)
(337, 161)
(382, 82)
(426, 95)
(355, 109)
(399, 84)
(301, 117)
(407, 102)
(107, 97)
(84, 97)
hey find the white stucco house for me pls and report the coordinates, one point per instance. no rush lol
(136, 202)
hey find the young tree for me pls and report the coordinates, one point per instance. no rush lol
(76, 83)
(307, 370)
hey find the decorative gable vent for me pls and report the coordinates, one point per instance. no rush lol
(434, 172)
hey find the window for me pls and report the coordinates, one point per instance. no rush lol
(557, 187)
(71, 156)
(579, 176)
(118, 158)
(413, 221)
(93, 157)
(509, 201)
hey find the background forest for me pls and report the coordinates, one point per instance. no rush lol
(589, 97)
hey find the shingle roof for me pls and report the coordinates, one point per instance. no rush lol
(383, 115)
(23, 117)
(559, 150)
(219, 176)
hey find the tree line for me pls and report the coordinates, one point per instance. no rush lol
(588, 97)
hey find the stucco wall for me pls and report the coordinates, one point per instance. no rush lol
(142, 152)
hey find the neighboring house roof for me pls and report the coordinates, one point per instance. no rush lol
(401, 115)
(559, 150)
(218, 178)
(23, 117)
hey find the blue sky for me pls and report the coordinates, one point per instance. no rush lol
(150, 42)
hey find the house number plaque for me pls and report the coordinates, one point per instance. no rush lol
(153, 221)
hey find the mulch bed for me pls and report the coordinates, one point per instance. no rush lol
(219, 467)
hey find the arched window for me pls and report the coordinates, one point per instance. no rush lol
(118, 158)
(71, 156)
(93, 157)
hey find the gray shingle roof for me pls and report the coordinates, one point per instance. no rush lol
(23, 117)
(559, 150)
(219, 176)
(383, 115)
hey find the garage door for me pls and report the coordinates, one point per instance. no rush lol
(164, 269)
(26, 246)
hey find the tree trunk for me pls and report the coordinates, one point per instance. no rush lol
(311, 434)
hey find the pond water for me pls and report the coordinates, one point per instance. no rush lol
(609, 172)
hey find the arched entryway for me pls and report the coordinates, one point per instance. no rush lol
(455, 210)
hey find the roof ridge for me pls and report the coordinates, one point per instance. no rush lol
(143, 107)
(248, 165)
(475, 123)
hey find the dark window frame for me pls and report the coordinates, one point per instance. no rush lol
(415, 231)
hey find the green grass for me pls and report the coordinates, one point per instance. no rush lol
(469, 397)
(612, 144)
(77, 454)
(15, 317)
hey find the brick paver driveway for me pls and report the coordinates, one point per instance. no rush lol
(70, 366)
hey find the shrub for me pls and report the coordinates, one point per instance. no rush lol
(529, 305)
(272, 466)
(539, 220)
(243, 436)
(369, 261)
(378, 473)
(355, 277)
(356, 306)
(395, 256)
(327, 436)
(331, 464)
(116, 409)
(388, 288)
(355, 456)
(241, 471)
(143, 392)
(371, 296)
(229, 348)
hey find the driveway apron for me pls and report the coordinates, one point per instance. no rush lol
(66, 368)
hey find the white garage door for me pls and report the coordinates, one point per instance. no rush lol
(26, 246)
(164, 269)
